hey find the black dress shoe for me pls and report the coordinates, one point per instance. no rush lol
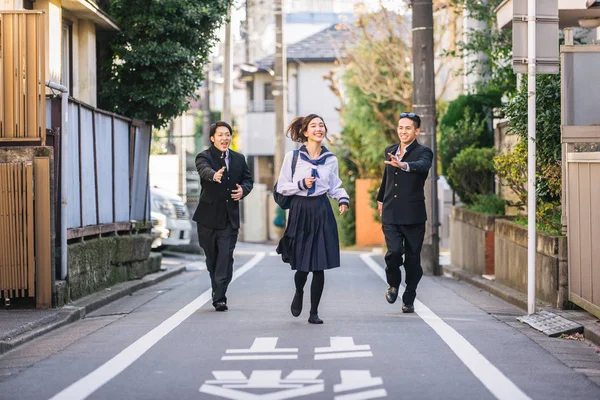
(391, 294)
(314, 319)
(296, 307)
(221, 306)
(408, 308)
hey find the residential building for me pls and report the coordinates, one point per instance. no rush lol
(309, 60)
(89, 166)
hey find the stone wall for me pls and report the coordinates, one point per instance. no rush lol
(550, 268)
(99, 263)
(472, 240)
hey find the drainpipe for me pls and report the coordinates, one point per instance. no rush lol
(64, 108)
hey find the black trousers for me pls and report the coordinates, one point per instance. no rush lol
(407, 241)
(218, 245)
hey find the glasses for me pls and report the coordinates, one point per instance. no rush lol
(409, 115)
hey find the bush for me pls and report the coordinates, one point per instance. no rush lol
(471, 173)
(488, 204)
(468, 132)
(511, 168)
(480, 104)
(548, 142)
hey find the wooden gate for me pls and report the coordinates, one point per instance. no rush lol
(581, 172)
(25, 254)
(17, 271)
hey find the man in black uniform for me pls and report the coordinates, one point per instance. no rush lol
(225, 179)
(401, 201)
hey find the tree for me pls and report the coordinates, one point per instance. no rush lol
(491, 46)
(377, 51)
(158, 56)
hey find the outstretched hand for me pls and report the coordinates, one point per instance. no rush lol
(219, 175)
(395, 162)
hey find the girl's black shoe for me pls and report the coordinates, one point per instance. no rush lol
(297, 303)
(314, 319)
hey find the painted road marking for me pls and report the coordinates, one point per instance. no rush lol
(262, 345)
(113, 367)
(355, 380)
(235, 386)
(490, 376)
(342, 347)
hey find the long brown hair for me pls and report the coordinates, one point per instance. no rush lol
(299, 125)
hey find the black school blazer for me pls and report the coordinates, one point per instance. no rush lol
(402, 192)
(215, 203)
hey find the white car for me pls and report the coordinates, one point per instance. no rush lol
(177, 222)
(159, 229)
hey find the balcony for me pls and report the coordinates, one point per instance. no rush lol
(261, 106)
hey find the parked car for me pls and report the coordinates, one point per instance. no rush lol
(177, 217)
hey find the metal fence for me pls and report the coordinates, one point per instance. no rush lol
(107, 171)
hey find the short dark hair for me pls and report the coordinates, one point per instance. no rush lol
(213, 127)
(413, 117)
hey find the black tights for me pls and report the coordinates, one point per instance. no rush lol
(316, 287)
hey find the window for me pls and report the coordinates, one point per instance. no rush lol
(269, 91)
(66, 78)
(269, 104)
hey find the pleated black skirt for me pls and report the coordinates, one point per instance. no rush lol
(310, 241)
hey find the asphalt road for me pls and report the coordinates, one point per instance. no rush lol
(167, 342)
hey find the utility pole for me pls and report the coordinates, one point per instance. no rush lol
(280, 86)
(206, 108)
(531, 133)
(227, 71)
(424, 106)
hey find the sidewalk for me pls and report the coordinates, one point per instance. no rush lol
(19, 326)
(591, 324)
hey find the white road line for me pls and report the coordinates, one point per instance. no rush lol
(335, 356)
(261, 357)
(490, 376)
(263, 345)
(369, 394)
(113, 367)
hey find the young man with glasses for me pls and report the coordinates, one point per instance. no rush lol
(401, 201)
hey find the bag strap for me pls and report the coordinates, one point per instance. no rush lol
(294, 162)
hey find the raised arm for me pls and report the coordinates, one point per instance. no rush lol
(335, 185)
(423, 163)
(285, 185)
(204, 168)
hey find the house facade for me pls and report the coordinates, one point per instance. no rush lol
(309, 61)
(81, 220)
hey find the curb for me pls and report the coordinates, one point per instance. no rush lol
(591, 330)
(80, 308)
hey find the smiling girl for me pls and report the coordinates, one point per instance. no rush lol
(310, 242)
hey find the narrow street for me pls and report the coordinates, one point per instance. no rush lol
(167, 342)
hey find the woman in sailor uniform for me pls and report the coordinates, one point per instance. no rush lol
(310, 242)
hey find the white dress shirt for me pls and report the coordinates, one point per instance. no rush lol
(401, 156)
(328, 180)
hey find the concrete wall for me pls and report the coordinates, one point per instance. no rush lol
(551, 269)
(368, 231)
(256, 221)
(99, 263)
(472, 241)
